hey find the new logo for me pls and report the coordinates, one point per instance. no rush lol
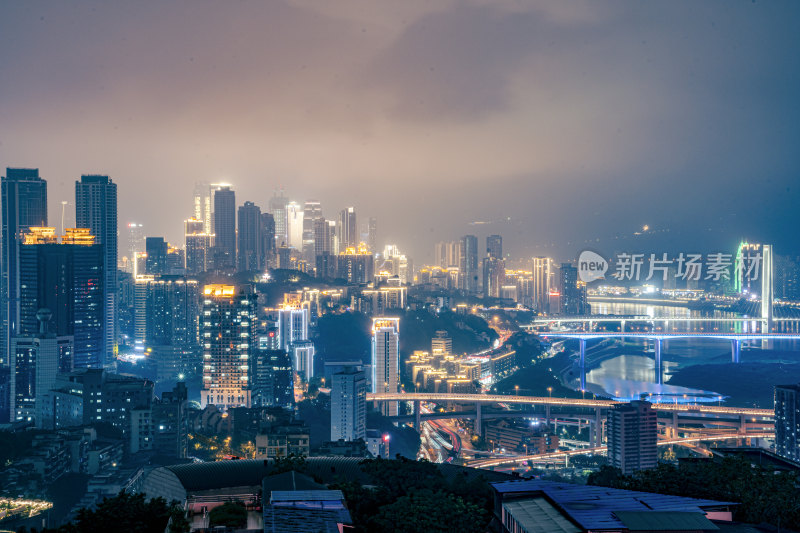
(591, 266)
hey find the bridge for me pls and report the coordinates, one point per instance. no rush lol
(548, 457)
(756, 325)
(658, 337)
(757, 416)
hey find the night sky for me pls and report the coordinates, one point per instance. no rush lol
(552, 123)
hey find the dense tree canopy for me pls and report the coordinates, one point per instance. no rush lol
(765, 496)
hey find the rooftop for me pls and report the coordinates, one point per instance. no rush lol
(597, 507)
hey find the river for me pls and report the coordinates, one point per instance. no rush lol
(627, 370)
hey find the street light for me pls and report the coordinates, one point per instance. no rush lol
(516, 390)
(550, 391)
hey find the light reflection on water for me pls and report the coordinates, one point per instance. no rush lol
(629, 376)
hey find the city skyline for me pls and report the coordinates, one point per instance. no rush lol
(585, 121)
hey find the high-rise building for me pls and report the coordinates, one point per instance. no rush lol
(356, 265)
(322, 237)
(573, 292)
(135, 244)
(228, 327)
(273, 380)
(224, 228)
(348, 405)
(292, 326)
(251, 239)
(268, 234)
(24, 204)
(632, 437)
(204, 206)
(303, 355)
(385, 362)
(198, 246)
(372, 234)
(543, 273)
(347, 229)
(494, 275)
(156, 261)
(35, 363)
(96, 209)
(294, 226)
(168, 310)
(312, 212)
(494, 246)
(67, 279)
(396, 264)
(469, 264)
(787, 421)
(448, 254)
(277, 206)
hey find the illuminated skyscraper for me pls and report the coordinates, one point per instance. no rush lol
(156, 262)
(494, 275)
(323, 237)
(494, 246)
(96, 209)
(169, 311)
(203, 206)
(469, 264)
(347, 229)
(573, 292)
(224, 228)
(228, 327)
(348, 405)
(198, 246)
(386, 360)
(312, 212)
(135, 243)
(356, 265)
(66, 278)
(34, 363)
(372, 234)
(448, 254)
(294, 225)
(277, 206)
(543, 275)
(787, 421)
(251, 240)
(292, 326)
(24, 204)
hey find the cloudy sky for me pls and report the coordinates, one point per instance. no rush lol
(550, 122)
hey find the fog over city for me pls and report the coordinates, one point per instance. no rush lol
(551, 123)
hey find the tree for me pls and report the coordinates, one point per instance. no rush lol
(123, 512)
(229, 514)
(765, 496)
(429, 511)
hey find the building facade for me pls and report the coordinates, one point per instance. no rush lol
(96, 209)
(348, 405)
(632, 437)
(787, 421)
(228, 327)
(386, 360)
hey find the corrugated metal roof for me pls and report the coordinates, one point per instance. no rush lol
(306, 495)
(250, 472)
(537, 515)
(593, 507)
(665, 521)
